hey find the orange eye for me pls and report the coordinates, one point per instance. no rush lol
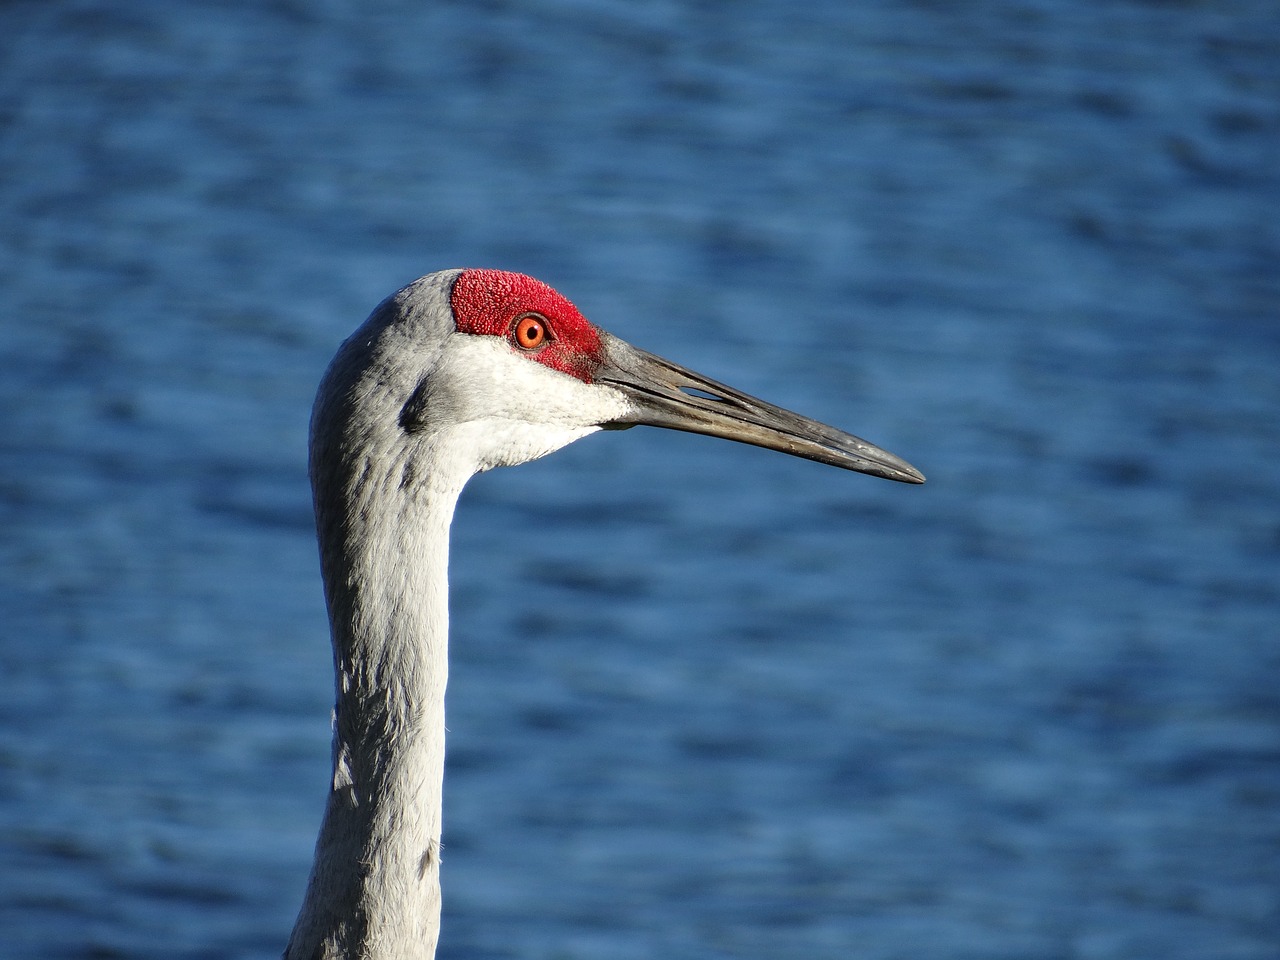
(530, 332)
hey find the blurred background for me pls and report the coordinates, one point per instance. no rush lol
(738, 705)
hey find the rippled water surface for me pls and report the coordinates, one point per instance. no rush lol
(705, 701)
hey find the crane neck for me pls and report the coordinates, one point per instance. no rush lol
(383, 527)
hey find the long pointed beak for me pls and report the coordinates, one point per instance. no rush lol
(663, 394)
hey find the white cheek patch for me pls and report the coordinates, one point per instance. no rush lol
(484, 378)
(502, 408)
(505, 443)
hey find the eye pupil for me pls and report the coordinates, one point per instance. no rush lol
(530, 332)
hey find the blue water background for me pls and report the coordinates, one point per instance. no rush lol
(705, 701)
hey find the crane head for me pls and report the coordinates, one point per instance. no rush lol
(508, 370)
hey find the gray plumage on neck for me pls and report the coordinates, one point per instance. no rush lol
(410, 408)
(383, 505)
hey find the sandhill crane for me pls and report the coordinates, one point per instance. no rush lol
(458, 372)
